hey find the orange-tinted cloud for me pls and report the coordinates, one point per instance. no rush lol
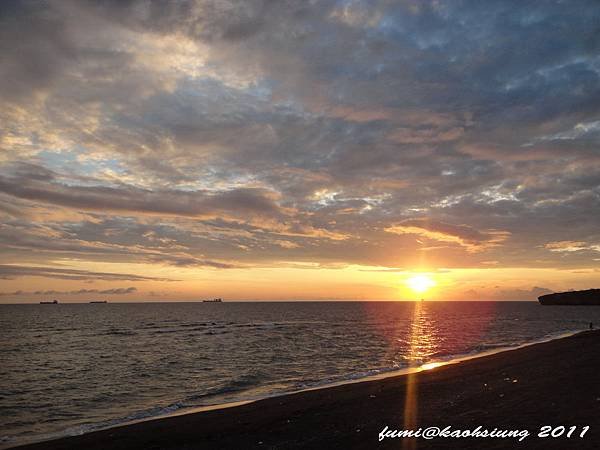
(471, 239)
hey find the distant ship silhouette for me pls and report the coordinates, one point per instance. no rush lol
(214, 300)
(53, 302)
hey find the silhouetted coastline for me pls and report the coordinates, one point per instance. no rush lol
(578, 298)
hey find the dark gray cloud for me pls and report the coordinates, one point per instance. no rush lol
(10, 271)
(77, 240)
(231, 134)
(242, 201)
(114, 291)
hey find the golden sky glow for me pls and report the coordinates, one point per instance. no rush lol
(346, 283)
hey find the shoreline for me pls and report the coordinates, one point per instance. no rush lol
(228, 409)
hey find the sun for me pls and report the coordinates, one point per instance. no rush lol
(420, 283)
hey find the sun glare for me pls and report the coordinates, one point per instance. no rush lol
(420, 283)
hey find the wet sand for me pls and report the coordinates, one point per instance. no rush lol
(553, 383)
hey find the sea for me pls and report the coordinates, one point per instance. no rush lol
(69, 369)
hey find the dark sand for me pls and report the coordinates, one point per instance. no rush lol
(557, 383)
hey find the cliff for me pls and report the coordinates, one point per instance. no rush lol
(589, 297)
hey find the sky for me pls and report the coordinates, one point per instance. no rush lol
(263, 150)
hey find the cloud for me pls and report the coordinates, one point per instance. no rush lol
(463, 235)
(78, 239)
(113, 291)
(585, 130)
(421, 136)
(9, 272)
(522, 294)
(29, 185)
(218, 134)
(512, 294)
(571, 246)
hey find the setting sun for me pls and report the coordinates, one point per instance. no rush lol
(420, 283)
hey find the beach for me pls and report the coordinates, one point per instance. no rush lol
(547, 384)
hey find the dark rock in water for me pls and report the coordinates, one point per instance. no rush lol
(589, 297)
